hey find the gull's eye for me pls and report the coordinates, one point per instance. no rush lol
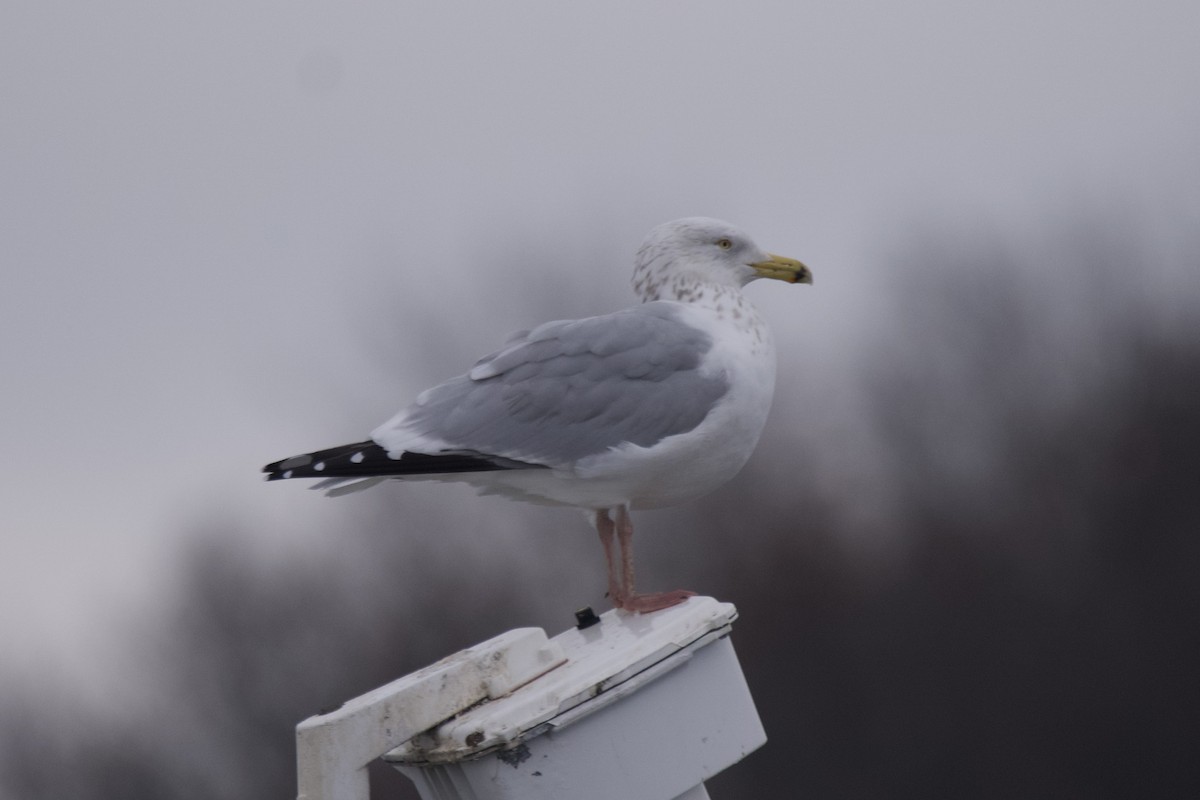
(724, 244)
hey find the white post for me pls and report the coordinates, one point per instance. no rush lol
(641, 707)
(333, 750)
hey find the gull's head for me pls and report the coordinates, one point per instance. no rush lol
(680, 258)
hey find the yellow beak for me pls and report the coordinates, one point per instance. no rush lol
(781, 268)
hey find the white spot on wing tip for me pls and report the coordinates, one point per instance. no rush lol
(357, 458)
(287, 474)
(317, 467)
(483, 372)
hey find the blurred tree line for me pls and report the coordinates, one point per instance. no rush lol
(1028, 630)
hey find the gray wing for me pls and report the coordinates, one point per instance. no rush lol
(571, 389)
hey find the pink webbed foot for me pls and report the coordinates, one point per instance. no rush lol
(654, 601)
(620, 567)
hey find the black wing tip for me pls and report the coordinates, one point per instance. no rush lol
(312, 465)
(369, 460)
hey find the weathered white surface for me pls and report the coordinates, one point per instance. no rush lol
(640, 707)
(600, 659)
(333, 749)
(646, 708)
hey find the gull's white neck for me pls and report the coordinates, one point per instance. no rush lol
(722, 304)
(683, 287)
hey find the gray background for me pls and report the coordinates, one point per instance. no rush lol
(234, 231)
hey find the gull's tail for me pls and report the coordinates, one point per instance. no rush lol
(354, 467)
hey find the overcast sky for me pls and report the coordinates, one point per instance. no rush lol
(234, 231)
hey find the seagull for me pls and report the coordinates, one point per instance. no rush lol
(646, 407)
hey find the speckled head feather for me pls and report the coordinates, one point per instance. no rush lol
(679, 257)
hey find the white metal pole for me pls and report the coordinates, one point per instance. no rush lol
(334, 749)
(641, 707)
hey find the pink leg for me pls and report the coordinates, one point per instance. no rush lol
(604, 527)
(630, 600)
